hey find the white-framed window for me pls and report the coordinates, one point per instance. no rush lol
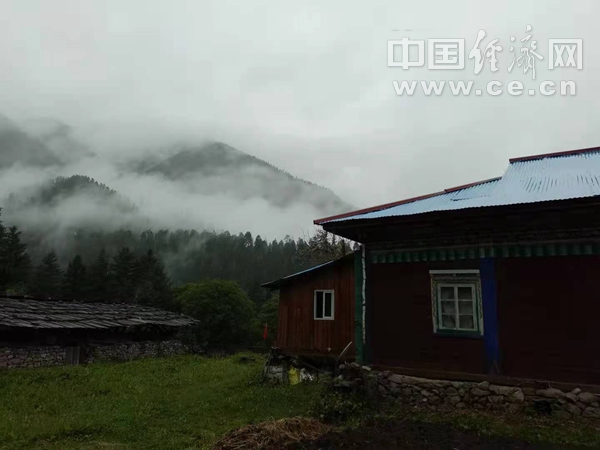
(456, 302)
(324, 304)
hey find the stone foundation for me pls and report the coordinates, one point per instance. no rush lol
(32, 357)
(447, 395)
(134, 350)
(11, 357)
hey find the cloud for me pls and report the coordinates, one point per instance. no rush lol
(305, 86)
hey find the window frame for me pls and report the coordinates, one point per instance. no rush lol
(456, 301)
(456, 279)
(324, 291)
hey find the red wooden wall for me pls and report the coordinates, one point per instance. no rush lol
(297, 329)
(549, 317)
(402, 325)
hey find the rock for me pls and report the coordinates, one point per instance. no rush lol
(483, 385)
(479, 392)
(451, 391)
(454, 400)
(529, 392)
(550, 393)
(407, 392)
(576, 391)
(395, 378)
(596, 405)
(591, 412)
(342, 366)
(425, 393)
(460, 405)
(587, 397)
(495, 399)
(572, 397)
(574, 410)
(518, 395)
(367, 368)
(581, 405)
(501, 390)
(462, 392)
(456, 384)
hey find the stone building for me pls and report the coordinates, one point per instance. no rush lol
(36, 333)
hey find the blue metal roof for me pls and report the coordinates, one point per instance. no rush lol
(559, 177)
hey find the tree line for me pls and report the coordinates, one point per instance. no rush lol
(161, 269)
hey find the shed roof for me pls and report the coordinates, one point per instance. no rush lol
(276, 284)
(28, 313)
(539, 178)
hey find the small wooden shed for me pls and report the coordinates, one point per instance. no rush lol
(317, 309)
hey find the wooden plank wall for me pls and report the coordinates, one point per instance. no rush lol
(297, 329)
(402, 325)
(548, 315)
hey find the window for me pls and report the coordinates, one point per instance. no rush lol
(324, 305)
(456, 302)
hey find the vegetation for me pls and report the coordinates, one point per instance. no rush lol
(171, 270)
(225, 312)
(175, 403)
(190, 402)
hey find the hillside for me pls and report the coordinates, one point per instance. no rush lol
(219, 168)
(61, 189)
(16, 146)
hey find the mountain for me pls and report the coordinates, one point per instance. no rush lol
(52, 194)
(16, 146)
(57, 136)
(217, 168)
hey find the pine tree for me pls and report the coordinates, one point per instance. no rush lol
(123, 275)
(75, 283)
(99, 285)
(18, 263)
(47, 277)
(153, 286)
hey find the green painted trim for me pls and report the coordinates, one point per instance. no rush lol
(358, 306)
(498, 251)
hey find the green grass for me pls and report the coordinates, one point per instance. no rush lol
(174, 403)
(189, 402)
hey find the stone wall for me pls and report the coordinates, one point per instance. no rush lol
(32, 356)
(134, 350)
(424, 393)
(11, 357)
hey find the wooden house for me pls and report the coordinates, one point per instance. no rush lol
(492, 279)
(316, 309)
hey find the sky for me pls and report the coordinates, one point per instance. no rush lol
(304, 85)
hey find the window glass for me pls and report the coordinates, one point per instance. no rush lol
(319, 305)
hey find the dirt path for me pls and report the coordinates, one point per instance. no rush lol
(417, 435)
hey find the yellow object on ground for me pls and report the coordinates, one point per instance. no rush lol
(294, 376)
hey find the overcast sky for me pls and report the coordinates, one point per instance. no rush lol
(303, 84)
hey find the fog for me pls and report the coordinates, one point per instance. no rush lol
(304, 86)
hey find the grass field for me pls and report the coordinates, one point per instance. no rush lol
(187, 403)
(175, 403)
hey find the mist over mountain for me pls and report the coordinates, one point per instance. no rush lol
(217, 168)
(17, 147)
(52, 180)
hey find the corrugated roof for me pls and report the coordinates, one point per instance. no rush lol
(28, 313)
(548, 177)
(276, 284)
